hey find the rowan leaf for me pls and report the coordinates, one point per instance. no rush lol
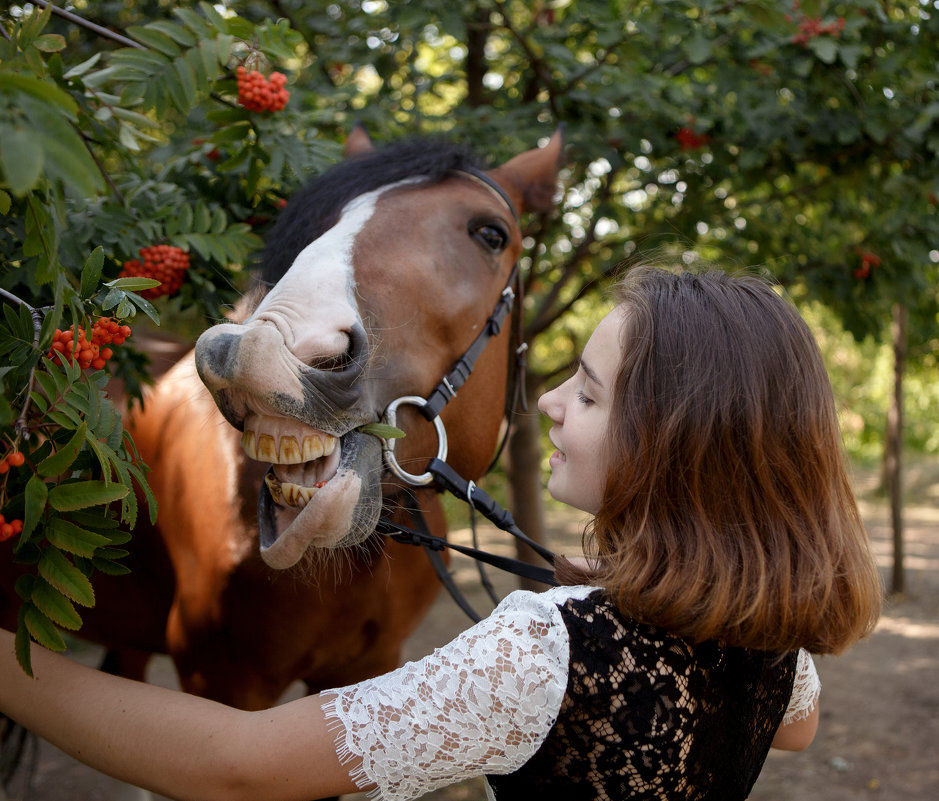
(55, 568)
(54, 605)
(82, 494)
(74, 539)
(62, 458)
(41, 629)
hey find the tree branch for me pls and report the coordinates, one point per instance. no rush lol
(91, 26)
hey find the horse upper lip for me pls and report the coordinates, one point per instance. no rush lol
(284, 441)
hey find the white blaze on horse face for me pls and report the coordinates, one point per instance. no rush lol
(313, 305)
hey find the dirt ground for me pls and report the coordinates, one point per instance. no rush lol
(879, 732)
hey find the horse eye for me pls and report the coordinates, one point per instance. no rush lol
(491, 236)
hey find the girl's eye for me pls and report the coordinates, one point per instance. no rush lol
(583, 398)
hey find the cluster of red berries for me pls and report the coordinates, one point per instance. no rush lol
(88, 352)
(14, 527)
(14, 459)
(868, 262)
(164, 263)
(257, 93)
(10, 529)
(811, 27)
(689, 140)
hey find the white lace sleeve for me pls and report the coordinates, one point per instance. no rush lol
(481, 704)
(805, 690)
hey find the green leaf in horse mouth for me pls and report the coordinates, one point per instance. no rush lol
(381, 430)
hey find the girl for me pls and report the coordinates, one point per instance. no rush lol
(699, 431)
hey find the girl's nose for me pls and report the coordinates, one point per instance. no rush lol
(550, 404)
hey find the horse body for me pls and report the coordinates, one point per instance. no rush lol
(374, 300)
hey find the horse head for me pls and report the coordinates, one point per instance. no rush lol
(376, 278)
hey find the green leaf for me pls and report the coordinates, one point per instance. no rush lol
(381, 430)
(698, 47)
(154, 39)
(132, 284)
(36, 494)
(25, 584)
(54, 605)
(144, 62)
(33, 26)
(110, 568)
(43, 90)
(144, 485)
(187, 79)
(125, 135)
(175, 32)
(55, 568)
(194, 22)
(146, 307)
(80, 69)
(74, 539)
(825, 48)
(50, 43)
(82, 494)
(91, 272)
(42, 630)
(202, 220)
(236, 132)
(134, 117)
(5, 202)
(227, 115)
(21, 157)
(21, 643)
(91, 520)
(62, 459)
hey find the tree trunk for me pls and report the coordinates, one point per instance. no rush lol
(893, 446)
(525, 489)
(477, 32)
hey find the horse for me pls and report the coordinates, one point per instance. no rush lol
(263, 567)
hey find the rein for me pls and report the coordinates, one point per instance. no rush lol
(441, 475)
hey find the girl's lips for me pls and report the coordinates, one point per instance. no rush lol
(556, 458)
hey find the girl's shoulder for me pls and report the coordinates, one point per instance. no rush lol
(548, 602)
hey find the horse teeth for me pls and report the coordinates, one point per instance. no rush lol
(274, 487)
(296, 495)
(287, 449)
(267, 448)
(290, 451)
(312, 448)
(249, 445)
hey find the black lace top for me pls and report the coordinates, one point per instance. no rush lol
(648, 716)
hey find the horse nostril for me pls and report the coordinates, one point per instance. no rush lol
(351, 360)
(336, 378)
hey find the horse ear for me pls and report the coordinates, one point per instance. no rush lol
(530, 178)
(358, 142)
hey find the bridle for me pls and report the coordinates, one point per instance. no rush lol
(439, 473)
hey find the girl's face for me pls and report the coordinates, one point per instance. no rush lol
(580, 411)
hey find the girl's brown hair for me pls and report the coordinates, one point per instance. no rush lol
(727, 512)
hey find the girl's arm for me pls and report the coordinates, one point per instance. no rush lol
(798, 735)
(801, 719)
(175, 744)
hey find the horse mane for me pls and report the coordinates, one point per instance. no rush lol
(315, 208)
